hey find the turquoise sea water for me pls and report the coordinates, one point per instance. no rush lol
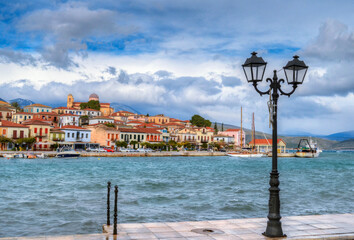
(68, 196)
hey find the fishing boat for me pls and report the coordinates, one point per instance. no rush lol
(310, 150)
(67, 152)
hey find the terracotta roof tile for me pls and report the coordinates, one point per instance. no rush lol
(5, 123)
(35, 122)
(264, 141)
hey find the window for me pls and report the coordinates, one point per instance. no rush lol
(35, 130)
(121, 136)
(82, 135)
(4, 131)
(134, 136)
(142, 137)
(86, 135)
(46, 130)
(68, 135)
(73, 135)
(108, 135)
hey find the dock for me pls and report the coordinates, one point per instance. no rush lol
(332, 226)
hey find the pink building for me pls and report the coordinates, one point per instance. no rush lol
(236, 134)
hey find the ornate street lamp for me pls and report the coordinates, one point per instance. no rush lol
(295, 72)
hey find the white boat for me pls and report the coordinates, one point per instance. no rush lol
(310, 150)
(246, 155)
(42, 155)
(8, 155)
(67, 152)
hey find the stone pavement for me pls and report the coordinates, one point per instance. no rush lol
(334, 226)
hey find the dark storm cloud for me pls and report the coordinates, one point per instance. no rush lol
(8, 55)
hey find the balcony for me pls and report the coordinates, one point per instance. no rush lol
(58, 139)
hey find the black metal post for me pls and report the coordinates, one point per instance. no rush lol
(274, 228)
(115, 209)
(108, 204)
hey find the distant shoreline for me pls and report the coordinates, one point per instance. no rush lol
(126, 154)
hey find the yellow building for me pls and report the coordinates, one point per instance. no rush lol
(265, 145)
(159, 119)
(21, 116)
(40, 130)
(204, 135)
(105, 108)
(13, 131)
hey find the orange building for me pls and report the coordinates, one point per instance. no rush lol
(105, 109)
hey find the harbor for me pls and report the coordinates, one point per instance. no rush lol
(67, 197)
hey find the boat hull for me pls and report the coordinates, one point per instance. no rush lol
(68, 155)
(307, 154)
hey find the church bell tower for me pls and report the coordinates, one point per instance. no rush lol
(70, 101)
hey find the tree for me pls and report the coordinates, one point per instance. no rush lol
(17, 106)
(121, 144)
(91, 104)
(133, 142)
(199, 121)
(215, 128)
(26, 141)
(110, 125)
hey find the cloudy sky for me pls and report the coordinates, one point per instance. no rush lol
(182, 57)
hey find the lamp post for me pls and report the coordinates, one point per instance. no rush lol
(295, 72)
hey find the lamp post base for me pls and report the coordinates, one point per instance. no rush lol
(274, 229)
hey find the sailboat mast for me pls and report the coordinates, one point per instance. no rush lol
(241, 127)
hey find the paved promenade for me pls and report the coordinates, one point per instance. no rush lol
(334, 226)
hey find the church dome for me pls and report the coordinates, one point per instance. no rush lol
(94, 97)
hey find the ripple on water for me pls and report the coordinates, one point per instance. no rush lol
(58, 197)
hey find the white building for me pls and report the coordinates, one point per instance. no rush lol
(96, 120)
(76, 134)
(69, 119)
(224, 138)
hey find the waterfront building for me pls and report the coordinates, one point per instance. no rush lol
(265, 145)
(56, 135)
(224, 139)
(103, 135)
(186, 135)
(101, 119)
(76, 134)
(105, 108)
(13, 131)
(236, 134)
(49, 117)
(6, 112)
(204, 135)
(159, 119)
(37, 108)
(19, 117)
(131, 134)
(69, 119)
(39, 130)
